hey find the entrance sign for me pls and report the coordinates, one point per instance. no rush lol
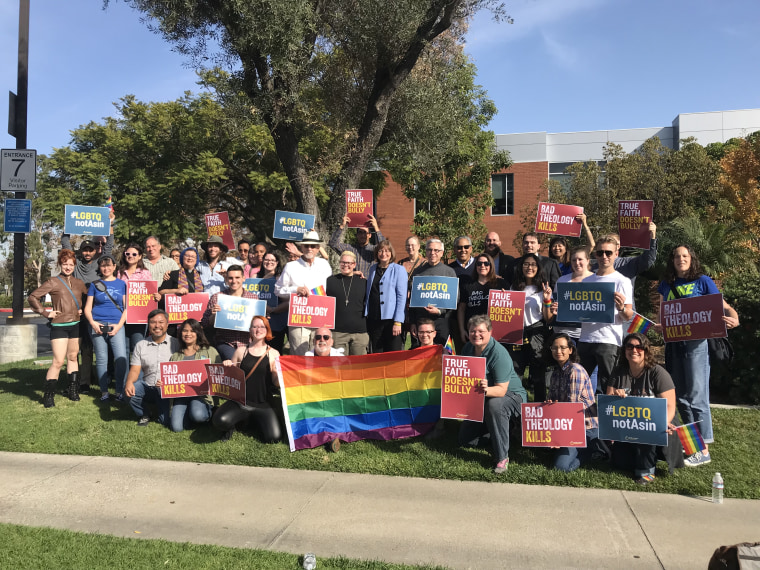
(18, 170)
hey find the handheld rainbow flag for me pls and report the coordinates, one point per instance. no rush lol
(109, 203)
(449, 347)
(639, 324)
(690, 438)
(376, 396)
(319, 290)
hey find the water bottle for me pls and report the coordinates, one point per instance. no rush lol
(717, 488)
(310, 560)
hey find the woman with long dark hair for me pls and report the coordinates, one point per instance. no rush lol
(473, 291)
(637, 374)
(688, 362)
(271, 268)
(559, 251)
(193, 346)
(132, 268)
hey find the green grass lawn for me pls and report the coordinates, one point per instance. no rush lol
(89, 428)
(42, 548)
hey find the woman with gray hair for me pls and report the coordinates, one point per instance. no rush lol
(503, 389)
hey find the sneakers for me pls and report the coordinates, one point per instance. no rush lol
(143, 421)
(105, 396)
(645, 479)
(119, 398)
(699, 458)
(501, 466)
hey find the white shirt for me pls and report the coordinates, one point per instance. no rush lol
(333, 352)
(608, 333)
(298, 273)
(213, 281)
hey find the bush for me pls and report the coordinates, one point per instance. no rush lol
(740, 382)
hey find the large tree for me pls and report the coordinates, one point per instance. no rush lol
(311, 66)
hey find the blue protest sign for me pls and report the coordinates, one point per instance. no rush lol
(633, 419)
(291, 225)
(264, 288)
(238, 312)
(18, 216)
(87, 221)
(440, 292)
(586, 302)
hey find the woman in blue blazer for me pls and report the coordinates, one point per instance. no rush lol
(386, 300)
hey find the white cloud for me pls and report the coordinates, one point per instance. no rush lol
(564, 55)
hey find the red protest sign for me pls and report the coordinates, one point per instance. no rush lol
(218, 224)
(561, 424)
(226, 382)
(183, 307)
(506, 309)
(314, 311)
(358, 207)
(184, 378)
(634, 217)
(558, 219)
(693, 318)
(462, 398)
(140, 301)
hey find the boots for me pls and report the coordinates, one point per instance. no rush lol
(48, 399)
(73, 392)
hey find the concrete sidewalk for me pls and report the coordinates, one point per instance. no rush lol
(451, 523)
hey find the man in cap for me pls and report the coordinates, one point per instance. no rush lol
(86, 269)
(362, 247)
(212, 270)
(301, 277)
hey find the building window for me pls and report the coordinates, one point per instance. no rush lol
(503, 192)
(421, 206)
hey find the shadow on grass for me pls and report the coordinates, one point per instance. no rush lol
(24, 382)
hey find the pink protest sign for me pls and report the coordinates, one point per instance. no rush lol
(218, 224)
(358, 207)
(634, 217)
(140, 301)
(506, 309)
(462, 398)
(558, 219)
(561, 424)
(226, 382)
(184, 378)
(313, 312)
(183, 307)
(693, 318)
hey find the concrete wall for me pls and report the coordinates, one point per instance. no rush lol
(717, 126)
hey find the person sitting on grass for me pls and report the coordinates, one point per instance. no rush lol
(193, 346)
(262, 404)
(503, 389)
(146, 358)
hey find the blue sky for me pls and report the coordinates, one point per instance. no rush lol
(564, 65)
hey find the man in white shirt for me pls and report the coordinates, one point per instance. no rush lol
(301, 277)
(323, 344)
(599, 342)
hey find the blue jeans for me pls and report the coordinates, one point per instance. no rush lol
(135, 333)
(199, 412)
(570, 458)
(100, 344)
(688, 363)
(144, 395)
(497, 415)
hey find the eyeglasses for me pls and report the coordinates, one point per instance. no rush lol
(425, 332)
(559, 348)
(604, 253)
(463, 246)
(126, 254)
(311, 245)
(270, 260)
(530, 265)
(431, 250)
(322, 337)
(259, 328)
(638, 347)
(483, 263)
(348, 262)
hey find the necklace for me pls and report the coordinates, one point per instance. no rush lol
(343, 283)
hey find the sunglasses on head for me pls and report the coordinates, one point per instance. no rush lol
(322, 337)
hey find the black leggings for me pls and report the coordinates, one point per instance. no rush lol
(266, 419)
(381, 336)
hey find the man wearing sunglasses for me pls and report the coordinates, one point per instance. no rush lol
(301, 277)
(599, 342)
(463, 263)
(323, 344)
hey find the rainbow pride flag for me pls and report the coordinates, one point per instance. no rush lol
(383, 396)
(639, 324)
(690, 438)
(449, 347)
(319, 290)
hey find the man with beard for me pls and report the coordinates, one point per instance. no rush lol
(502, 262)
(362, 247)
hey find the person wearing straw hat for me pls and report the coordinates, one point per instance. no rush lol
(212, 270)
(301, 277)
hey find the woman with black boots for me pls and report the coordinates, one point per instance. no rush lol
(68, 294)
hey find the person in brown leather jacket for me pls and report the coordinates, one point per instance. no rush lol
(68, 294)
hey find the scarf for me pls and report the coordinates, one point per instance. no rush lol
(182, 280)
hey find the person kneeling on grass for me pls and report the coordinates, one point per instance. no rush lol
(147, 358)
(570, 383)
(263, 407)
(503, 388)
(193, 346)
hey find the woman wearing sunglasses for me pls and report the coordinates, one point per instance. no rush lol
(637, 374)
(689, 361)
(262, 404)
(473, 292)
(132, 268)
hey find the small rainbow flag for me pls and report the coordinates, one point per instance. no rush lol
(109, 203)
(382, 396)
(319, 290)
(639, 324)
(690, 438)
(449, 347)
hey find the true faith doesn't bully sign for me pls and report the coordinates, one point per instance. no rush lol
(462, 398)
